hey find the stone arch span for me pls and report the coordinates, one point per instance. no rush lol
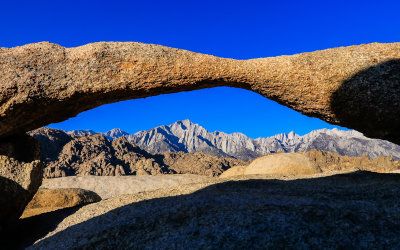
(356, 87)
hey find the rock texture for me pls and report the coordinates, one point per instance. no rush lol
(51, 141)
(311, 162)
(347, 211)
(47, 200)
(21, 174)
(94, 154)
(356, 87)
(198, 163)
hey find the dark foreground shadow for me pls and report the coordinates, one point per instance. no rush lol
(357, 210)
(370, 101)
(13, 199)
(29, 230)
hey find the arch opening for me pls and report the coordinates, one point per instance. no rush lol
(202, 121)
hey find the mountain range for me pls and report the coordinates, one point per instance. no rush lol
(93, 154)
(189, 137)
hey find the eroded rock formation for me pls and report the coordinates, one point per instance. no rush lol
(356, 87)
(46, 200)
(21, 174)
(198, 163)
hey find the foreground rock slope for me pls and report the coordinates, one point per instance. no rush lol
(355, 210)
(356, 87)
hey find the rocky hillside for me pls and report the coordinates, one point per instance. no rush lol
(94, 154)
(85, 152)
(189, 137)
(312, 162)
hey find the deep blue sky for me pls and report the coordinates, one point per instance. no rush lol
(234, 29)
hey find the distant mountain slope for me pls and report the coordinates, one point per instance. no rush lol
(115, 133)
(82, 132)
(77, 153)
(189, 137)
(190, 146)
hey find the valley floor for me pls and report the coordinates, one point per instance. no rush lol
(328, 210)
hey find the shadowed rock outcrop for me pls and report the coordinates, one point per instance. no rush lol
(356, 86)
(21, 174)
(370, 100)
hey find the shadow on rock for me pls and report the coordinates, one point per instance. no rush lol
(29, 230)
(358, 210)
(370, 101)
(21, 174)
(13, 199)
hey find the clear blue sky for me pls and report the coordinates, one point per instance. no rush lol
(234, 29)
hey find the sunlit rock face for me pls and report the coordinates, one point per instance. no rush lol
(356, 87)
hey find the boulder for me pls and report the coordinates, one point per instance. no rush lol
(312, 162)
(276, 164)
(356, 87)
(21, 173)
(47, 200)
